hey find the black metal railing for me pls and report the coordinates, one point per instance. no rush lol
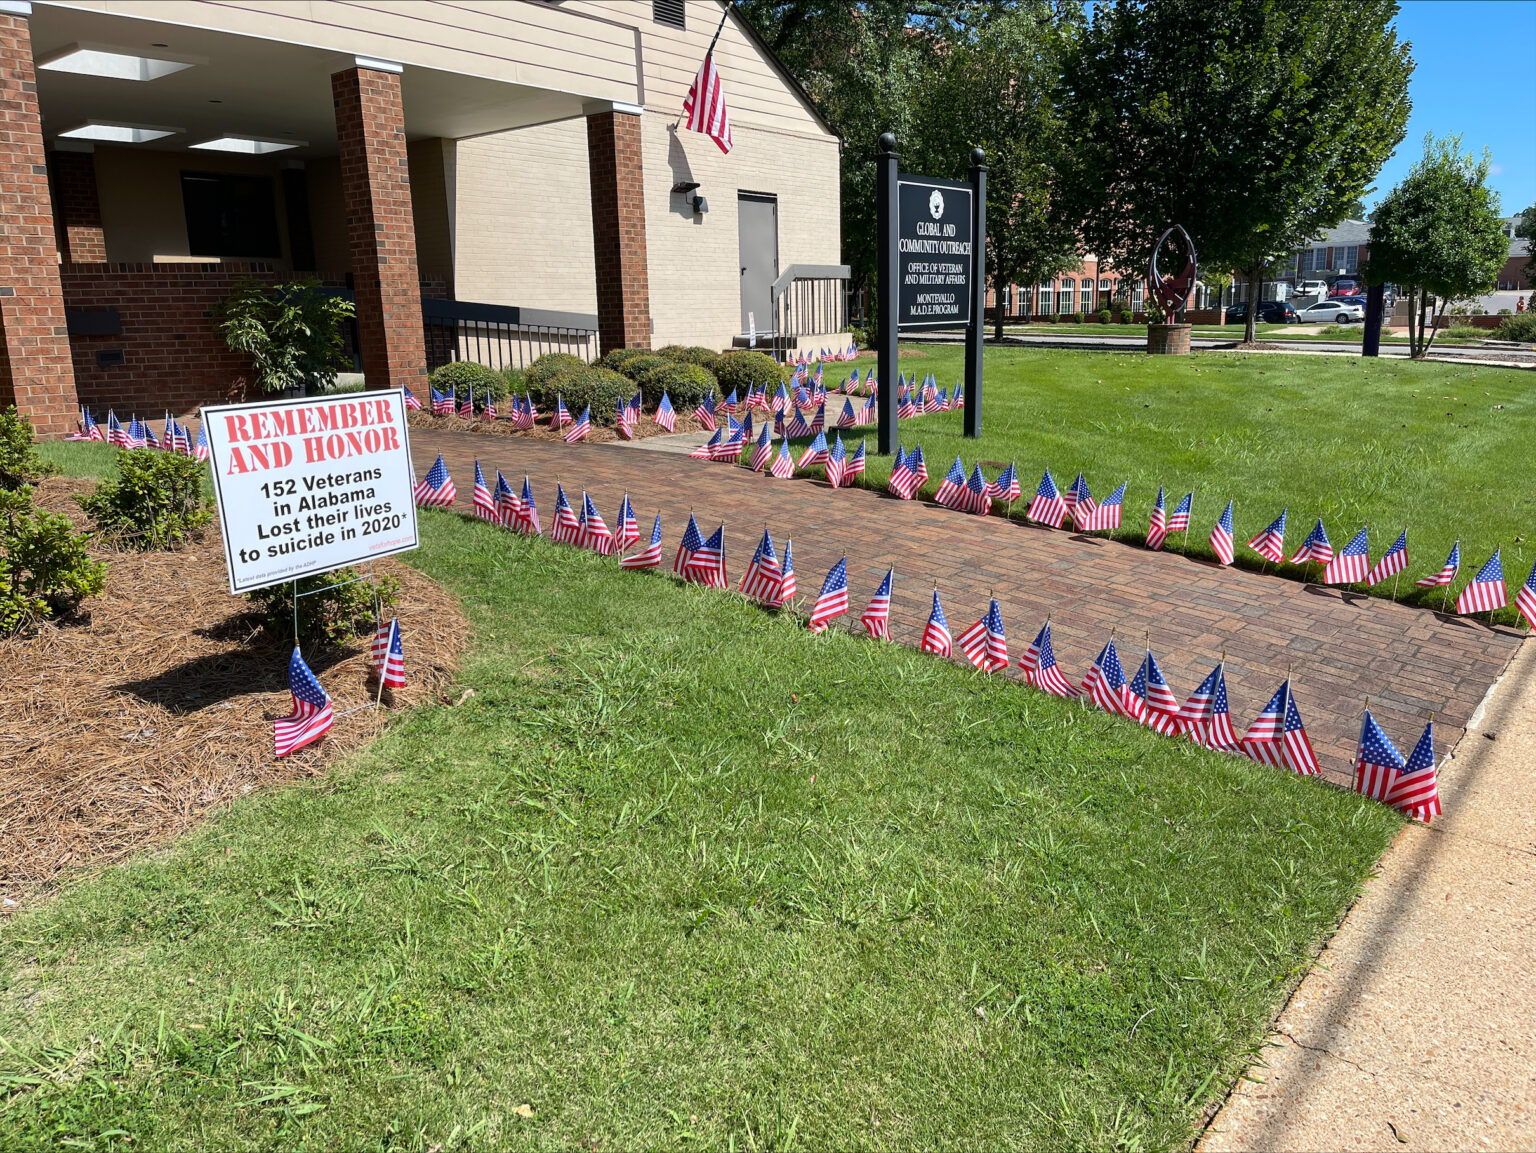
(502, 335)
(808, 300)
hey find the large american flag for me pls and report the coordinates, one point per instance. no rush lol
(1350, 563)
(1393, 561)
(1485, 592)
(1377, 761)
(1270, 544)
(312, 715)
(1159, 707)
(1206, 717)
(436, 489)
(1416, 791)
(833, 601)
(1047, 507)
(704, 106)
(1316, 547)
(936, 638)
(877, 617)
(1105, 685)
(650, 556)
(1221, 536)
(1157, 523)
(984, 643)
(1447, 573)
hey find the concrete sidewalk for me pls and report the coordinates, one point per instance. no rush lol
(1417, 1029)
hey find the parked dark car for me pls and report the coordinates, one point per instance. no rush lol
(1270, 312)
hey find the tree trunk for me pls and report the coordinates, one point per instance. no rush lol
(1251, 321)
(997, 293)
(1413, 315)
(1434, 327)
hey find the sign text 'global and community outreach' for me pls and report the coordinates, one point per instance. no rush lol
(933, 252)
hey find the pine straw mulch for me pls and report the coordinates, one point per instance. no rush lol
(128, 724)
(502, 426)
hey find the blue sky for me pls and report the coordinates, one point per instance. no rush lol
(1475, 77)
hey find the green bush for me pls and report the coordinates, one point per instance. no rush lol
(745, 369)
(291, 332)
(685, 384)
(19, 462)
(690, 354)
(1521, 326)
(333, 616)
(860, 337)
(1462, 332)
(1127, 317)
(515, 379)
(542, 374)
(463, 375)
(1105, 316)
(155, 501)
(1506, 312)
(619, 357)
(1077, 317)
(637, 366)
(602, 388)
(45, 570)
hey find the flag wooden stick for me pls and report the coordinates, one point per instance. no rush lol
(1190, 519)
(1445, 602)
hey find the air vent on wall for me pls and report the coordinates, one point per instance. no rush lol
(670, 12)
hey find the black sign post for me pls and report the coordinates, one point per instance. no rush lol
(931, 265)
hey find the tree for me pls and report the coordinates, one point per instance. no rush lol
(1525, 229)
(1224, 116)
(292, 332)
(994, 89)
(1440, 233)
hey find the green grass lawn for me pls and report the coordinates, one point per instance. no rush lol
(1439, 448)
(681, 874)
(1349, 334)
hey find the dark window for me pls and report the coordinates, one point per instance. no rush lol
(230, 215)
(670, 12)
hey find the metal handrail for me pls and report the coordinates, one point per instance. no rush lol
(807, 300)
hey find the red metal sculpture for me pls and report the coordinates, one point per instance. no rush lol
(1169, 289)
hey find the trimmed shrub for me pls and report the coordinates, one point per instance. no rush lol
(620, 357)
(334, 616)
(637, 366)
(1077, 317)
(744, 369)
(1521, 326)
(1462, 332)
(1105, 316)
(543, 372)
(1127, 317)
(691, 354)
(685, 384)
(602, 388)
(155, 501)
(45, 570)
(463, 375)
(19, 462)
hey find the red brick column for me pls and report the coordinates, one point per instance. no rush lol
(376, 191)
(83, 239)
(36, 374)
(618, 230)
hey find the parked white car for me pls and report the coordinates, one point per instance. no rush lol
(1330, 312)
(1317, 288)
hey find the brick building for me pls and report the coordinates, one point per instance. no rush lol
(486, 178)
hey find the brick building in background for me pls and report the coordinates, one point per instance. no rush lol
(488, 179)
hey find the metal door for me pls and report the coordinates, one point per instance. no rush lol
(757, 224)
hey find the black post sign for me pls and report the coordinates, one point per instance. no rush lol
(931, 266)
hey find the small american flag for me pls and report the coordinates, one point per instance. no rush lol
(1377, 761)
(903, 481)
(594, 532)
(484, 503)
(581, 428)
(201, 451)
(627, 531)
(1486, 590)
(1351, 563)
(442, 405)
(565, 528)
(1178, 520)
(904, 406)
(311, 717)
(782, 467)
(1159, 708)
(1206, 717)
(837, 462)
(877, 617)
(622, 424)
(531, 410)
(1393, 561)
(936, 637)
(692, 541)
(389, 655)
(952, 491)
(847, 418)
(730, 403)
(1525, 598)
(116, 437)
(918, 465)
(815, 453)
(762, 451)
(1047, 507)
(1157, 524)
(978, 494)
(488, 409)
(704, 411)
(562, 415)
(1447, 573)
(1221, 536)
(650, 556)
(706, 451)
(1270, 544)
(1040, 667)
(1102, 517)
(1077, 493)
(707, 564)
(505, 501)
(871, 410)
(411, 403)
(833, 601)
(1316, 547)
(634, 407)
(1105, 685)
(746, 429)
(528, 512)
(435, 490)
(959, 396)
(1006, 487)
(704, 106)
(1277, 736)
(787, 587)
(761, 580)
(1416, 791)
(781, 399)
(467, 408)
(795, 425)
(522, 413)
(984, 644)
(855, 463)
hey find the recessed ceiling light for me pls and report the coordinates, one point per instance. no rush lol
(112, 63)
(157, 44)
(247, 145)
(118, 133)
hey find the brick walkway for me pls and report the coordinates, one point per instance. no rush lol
(1410, 662)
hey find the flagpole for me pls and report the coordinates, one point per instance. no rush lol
(1189, 520)
(1398, 575)
(1445, 603)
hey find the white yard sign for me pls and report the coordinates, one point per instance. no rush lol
(306, 486)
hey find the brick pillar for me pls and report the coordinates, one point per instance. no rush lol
(618, 230)
(83, 239)
(36, 374)
(376, 191)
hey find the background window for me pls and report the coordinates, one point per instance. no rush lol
(1048, 296)
(230, 215)
(1064, 300)
(672, 13)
